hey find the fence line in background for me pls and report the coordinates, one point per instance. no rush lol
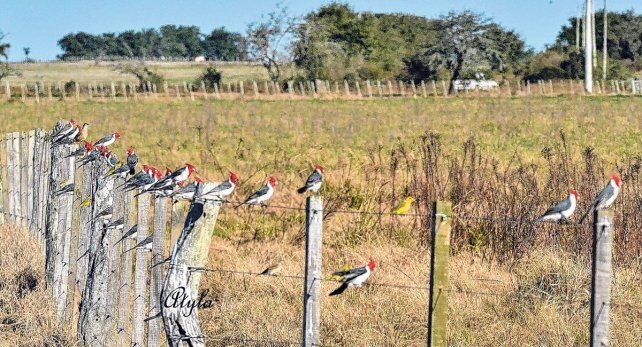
(94, 91)
(93, 256)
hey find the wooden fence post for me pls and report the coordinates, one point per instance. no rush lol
(156, 280)
(23, 93)
(96, 322)
(9, 169)
(313, 275)
(24, 180)
(36, 92)
(31, 138)
(368, 88)
(125, 285)
(203, 89)
(188, 256)
(601, 277)
(216, 92)
(358, 87)
(191, 92)
(423, 89)
(7, 89)
(84, 230)
(139, 312)
(17, 177)
(438, 294)
(3, 183)
(43, 195)
(379, 89)
(290, 87)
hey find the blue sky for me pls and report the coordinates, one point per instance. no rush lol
(39, 24)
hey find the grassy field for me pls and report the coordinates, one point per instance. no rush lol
(489, 156)
(87, 71)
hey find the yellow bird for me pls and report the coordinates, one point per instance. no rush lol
(85, 202)
(404, 206)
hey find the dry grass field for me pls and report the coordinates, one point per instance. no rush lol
(498, 157)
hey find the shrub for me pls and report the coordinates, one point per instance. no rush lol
(210, 77)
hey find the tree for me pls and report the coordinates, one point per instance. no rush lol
(464, 41)
(26, 50)
(221, 44)
(6, 69)
(268, 41)
(4, 47)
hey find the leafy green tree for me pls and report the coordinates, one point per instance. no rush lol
(465, 40)
(221, 44)
(6, 70)
(4, 47)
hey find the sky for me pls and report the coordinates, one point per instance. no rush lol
(40, 24)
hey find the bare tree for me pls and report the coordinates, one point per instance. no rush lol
(268, 41)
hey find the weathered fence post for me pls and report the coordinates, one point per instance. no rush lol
(203, 89)
(438, 294)
(139, 312)
(9, 168)
(31, 138)
(125, 285)
(36, 93)
(368, 88)
(346, 87)
(313, 276)
(601, 278)
(7, 89)
(188, 256)
(24, 180)
(84, 229)
(156, 280)
(96, 323)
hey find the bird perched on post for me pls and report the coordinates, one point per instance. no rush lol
(66, 139)
(146, 244)
(64, 130)
(93, 155)
(186, 192)
(262, 195)
(84, 150)
(118, 224)
(404, 206)
(145, 177)
(131, 234)
(105, 214)
(111, 158)
(606, 197)
(222, 190)
(83, 133)
(132, 160)
(562, 210)
(108, 140)
(354, 277)
(313, 183)
(171, 179)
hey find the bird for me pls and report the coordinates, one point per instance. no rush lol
(67, 138)
(562, 210)
(111, 159)
(85, 202)
(66, 189)
(338, 278)
(222, 190)
(313, 183)
(606, 197)
(105, 214)
(187, 191)
(262, 195)
(404, 206)
(108, 140)
(171, 179)
(84, 150)
(139, 175)
(146, 243)
(93, 155)
(118, 224)
(83, 133)
(131, 234)
(354, 277)
(271, 270)
(132, 159)
(144, 178)
(64, 130)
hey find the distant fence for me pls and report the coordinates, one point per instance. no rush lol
(126, 267)
(125, 91)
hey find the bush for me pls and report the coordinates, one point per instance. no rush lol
(143, 74)
(210, 77)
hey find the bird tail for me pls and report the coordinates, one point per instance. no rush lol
(590, 210)
(302, 190)
(339, 290)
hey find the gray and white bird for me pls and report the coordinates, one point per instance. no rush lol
(606, 197)
(130, 234)
(64, 130)
(222, 190)
(262, 195)
(105, 214)
(562, 210)
(132, 160)
(171, 179)
(108, 140)
(118, 224)
(186, 192)
(146, 244)
(313, 183)
(354, 277)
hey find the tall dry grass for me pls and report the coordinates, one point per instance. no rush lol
(27, 310)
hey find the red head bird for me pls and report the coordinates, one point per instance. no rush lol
(272, 181)
(371, 264)
(198, 179)
(234, 177)
(102, 149)
(181, 184)
(88, 146)
(130, 150)
(616, 180)
(319, 168)
(190, 168)
(168, 171)
(574, 192)
(116, 134)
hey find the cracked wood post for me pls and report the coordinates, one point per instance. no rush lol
(30, 178)
(24, 179)
(189, 253)
(139, 311)
(156, 281)
(601, 277)
(44, 191)
(96, 322)
(313, 276)
(38, 154)
(3, 189)
(17, 190)
(84, 230)
(125, 283)
(438, 286)
(9, 170)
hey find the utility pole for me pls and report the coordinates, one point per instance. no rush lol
(578, 43)
(588, 47)
(605, 53)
